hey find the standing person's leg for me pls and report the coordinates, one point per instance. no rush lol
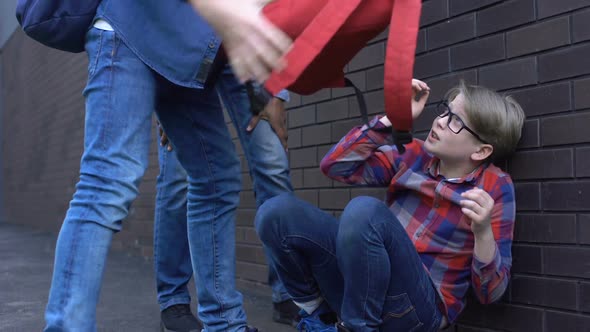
(267, 159)
(386, 286)
(172, 261)
(301, 240)
(193, 120)
(119, 106)
(269, 169)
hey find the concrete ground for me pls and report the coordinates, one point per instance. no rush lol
(128, 298)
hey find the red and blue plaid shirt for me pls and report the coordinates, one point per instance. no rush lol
(427, 205)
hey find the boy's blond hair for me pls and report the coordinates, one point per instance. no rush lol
(497, 119)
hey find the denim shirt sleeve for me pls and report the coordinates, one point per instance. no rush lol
(284, 96)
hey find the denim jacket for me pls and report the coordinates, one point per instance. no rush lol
(167, 35)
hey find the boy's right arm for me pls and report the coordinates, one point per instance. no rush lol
(364, 156)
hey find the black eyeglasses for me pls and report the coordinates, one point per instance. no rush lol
(454, 123)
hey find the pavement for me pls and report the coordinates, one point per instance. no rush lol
(128, 297)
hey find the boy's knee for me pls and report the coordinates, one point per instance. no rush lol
(271, 212)
(361, 208)
(356, 219)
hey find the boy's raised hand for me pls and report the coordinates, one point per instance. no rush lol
(477, 205)
(420, 93)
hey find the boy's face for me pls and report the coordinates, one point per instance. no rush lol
(444, 143)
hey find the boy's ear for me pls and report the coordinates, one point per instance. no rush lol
(484, 151)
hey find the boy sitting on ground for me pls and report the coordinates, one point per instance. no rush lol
(446, 225)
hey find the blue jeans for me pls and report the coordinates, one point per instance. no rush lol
(269, 168)
(365, 266)
(172, 261)
(121, 95)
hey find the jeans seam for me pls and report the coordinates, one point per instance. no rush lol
(286, 247)
(437, 320)
(96, 56)
(377, 234)
(216, 268)
(407, 311)
(110, 89)
(294, 261)
(215, 249)
(70, 263)
(86, 212)
(227, 99)
(231, 110)
(315, 243)
(157, 214)
(365, 314)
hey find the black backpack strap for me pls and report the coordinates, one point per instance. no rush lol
(399, 138)
(360, 99)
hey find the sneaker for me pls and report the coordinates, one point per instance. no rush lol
(323, 319)
(286, 312)
(179, 318)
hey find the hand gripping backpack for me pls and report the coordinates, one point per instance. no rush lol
(327, 34)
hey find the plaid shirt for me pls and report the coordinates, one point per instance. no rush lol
(427, 205)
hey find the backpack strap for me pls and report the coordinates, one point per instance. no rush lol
(311, 42)
(399, 60)
(398, 136)
(399, 68)
(360, 98)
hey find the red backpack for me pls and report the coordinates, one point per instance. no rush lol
(327, 34)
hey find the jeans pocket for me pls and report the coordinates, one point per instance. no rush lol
(94, 40)
(399, 315)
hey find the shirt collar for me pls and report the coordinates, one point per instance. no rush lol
(432, 168)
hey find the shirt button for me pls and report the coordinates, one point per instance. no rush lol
(212, 45)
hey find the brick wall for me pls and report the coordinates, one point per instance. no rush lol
(537, 50)
(1, 129)
(42, 142)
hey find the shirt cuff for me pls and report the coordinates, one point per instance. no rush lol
(485, 271)
(373, 124)
(283, 95)
(374, 130)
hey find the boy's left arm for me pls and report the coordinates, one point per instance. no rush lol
(492, 223)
